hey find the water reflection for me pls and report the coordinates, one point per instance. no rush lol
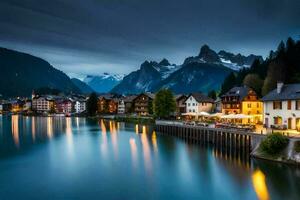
(49, 127)
(15, 129)
(69, 135)
(146, 149)
(259, 184)
(154, 141)
(133, 149)
(33, 127)
(131, 155)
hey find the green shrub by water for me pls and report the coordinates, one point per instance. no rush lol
(274, 143)
(297, 146)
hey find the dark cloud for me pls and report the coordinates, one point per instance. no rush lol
(94, 36)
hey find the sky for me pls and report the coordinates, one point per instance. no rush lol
(83, 37)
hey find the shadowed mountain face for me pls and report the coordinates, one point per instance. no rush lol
(21, 73)
(82, 86)
(203, 72)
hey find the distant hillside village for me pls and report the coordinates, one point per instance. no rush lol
(240, 106)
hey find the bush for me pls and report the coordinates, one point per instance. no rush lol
(274, 143)
(297, 146)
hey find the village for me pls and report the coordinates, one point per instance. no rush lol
(240, 108)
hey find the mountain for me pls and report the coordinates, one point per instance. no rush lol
(146, 78)
(203, 72)
(21, 73)
(195, 77)
(103, 83)
(230, 60)
(82, 86)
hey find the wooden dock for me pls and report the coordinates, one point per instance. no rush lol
(220, 138)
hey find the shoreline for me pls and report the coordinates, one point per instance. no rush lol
(149, 120)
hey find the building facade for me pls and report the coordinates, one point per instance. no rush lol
(198, 102)
(282, 107)
(107, 104)
(143, 104)
(80, 106)
(243, 100)
(42, 104)
(180, 104)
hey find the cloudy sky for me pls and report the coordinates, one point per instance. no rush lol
(94, 36)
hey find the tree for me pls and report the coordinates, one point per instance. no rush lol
(212, 94)
(255, 82)
(276, 73)
(92, 104)
(229, 82)
(164, 103)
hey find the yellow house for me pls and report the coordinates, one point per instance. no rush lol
(243, 100)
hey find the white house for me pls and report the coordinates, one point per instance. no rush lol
(80, 106)
(282, 107)
(121, 106)
(198, 102)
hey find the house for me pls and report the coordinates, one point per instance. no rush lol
(180, 104)
(5, 106)
(218, 105)
(42, 104)
(282, 107)
(27, 105)
(64, 105)
(108, 104)
(17, 105)
(80, 105)
(198, 102)
(126, 105)
(143, 104)
(243, 100)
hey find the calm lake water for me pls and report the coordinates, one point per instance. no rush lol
(77, 158)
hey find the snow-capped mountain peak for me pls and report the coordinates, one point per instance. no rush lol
(103, 82)
(227, 59)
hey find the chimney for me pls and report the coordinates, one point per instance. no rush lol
(279, 87)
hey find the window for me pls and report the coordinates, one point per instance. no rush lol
(249, 105)
(193, 110)
(297, 104)
(277, 105)
(193, 104)
(257, 105)
(278, 120)
(289, 105)
(189, 104)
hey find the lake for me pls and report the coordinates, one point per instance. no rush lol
(79, 158)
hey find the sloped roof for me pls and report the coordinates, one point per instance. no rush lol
(200, 97)
(129, 98)
(240, 92)
(178, 96)
(288, 92)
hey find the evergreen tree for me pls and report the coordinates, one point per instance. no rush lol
(255, 82)
(92, 104)
(212, 94)
(164, 103)
(229, 82)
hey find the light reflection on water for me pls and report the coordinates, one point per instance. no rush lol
(128, 157)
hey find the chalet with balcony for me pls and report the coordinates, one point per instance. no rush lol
(243, 100)
(107, 104)
(143, 104)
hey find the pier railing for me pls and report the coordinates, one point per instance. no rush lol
(221, 138)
